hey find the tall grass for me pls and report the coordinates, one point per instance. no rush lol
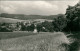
(75, 41)
(41, 42)
(8, 35)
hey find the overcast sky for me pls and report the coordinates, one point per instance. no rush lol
(35, 7)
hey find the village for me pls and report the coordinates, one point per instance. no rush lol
(23, 25)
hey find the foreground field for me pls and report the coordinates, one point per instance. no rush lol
(7, 35)
(40, 42)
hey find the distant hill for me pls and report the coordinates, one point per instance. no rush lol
(10, 20)
(26, 17)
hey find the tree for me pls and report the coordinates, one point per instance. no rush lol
(48, 26)
(60, 22)
(39, 27)
(30, 28)
(23, 27)
(4, 28)
(73, 16)
(73, 24)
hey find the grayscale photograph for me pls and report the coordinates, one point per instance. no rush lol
(39, 25)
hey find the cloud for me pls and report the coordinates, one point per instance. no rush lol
(8, 9)
(35, 7)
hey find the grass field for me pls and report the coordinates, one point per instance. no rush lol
(7, 35)
(40, 42)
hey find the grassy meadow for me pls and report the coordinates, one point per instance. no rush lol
(24, 41)
(7, 35)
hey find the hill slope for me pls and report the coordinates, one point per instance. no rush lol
(25, 17)
(10, 20)
(40, 42)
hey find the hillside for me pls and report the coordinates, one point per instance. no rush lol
(25, 17)
(10, 20)
(41, 42)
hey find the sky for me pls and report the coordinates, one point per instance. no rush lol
(36, 7)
